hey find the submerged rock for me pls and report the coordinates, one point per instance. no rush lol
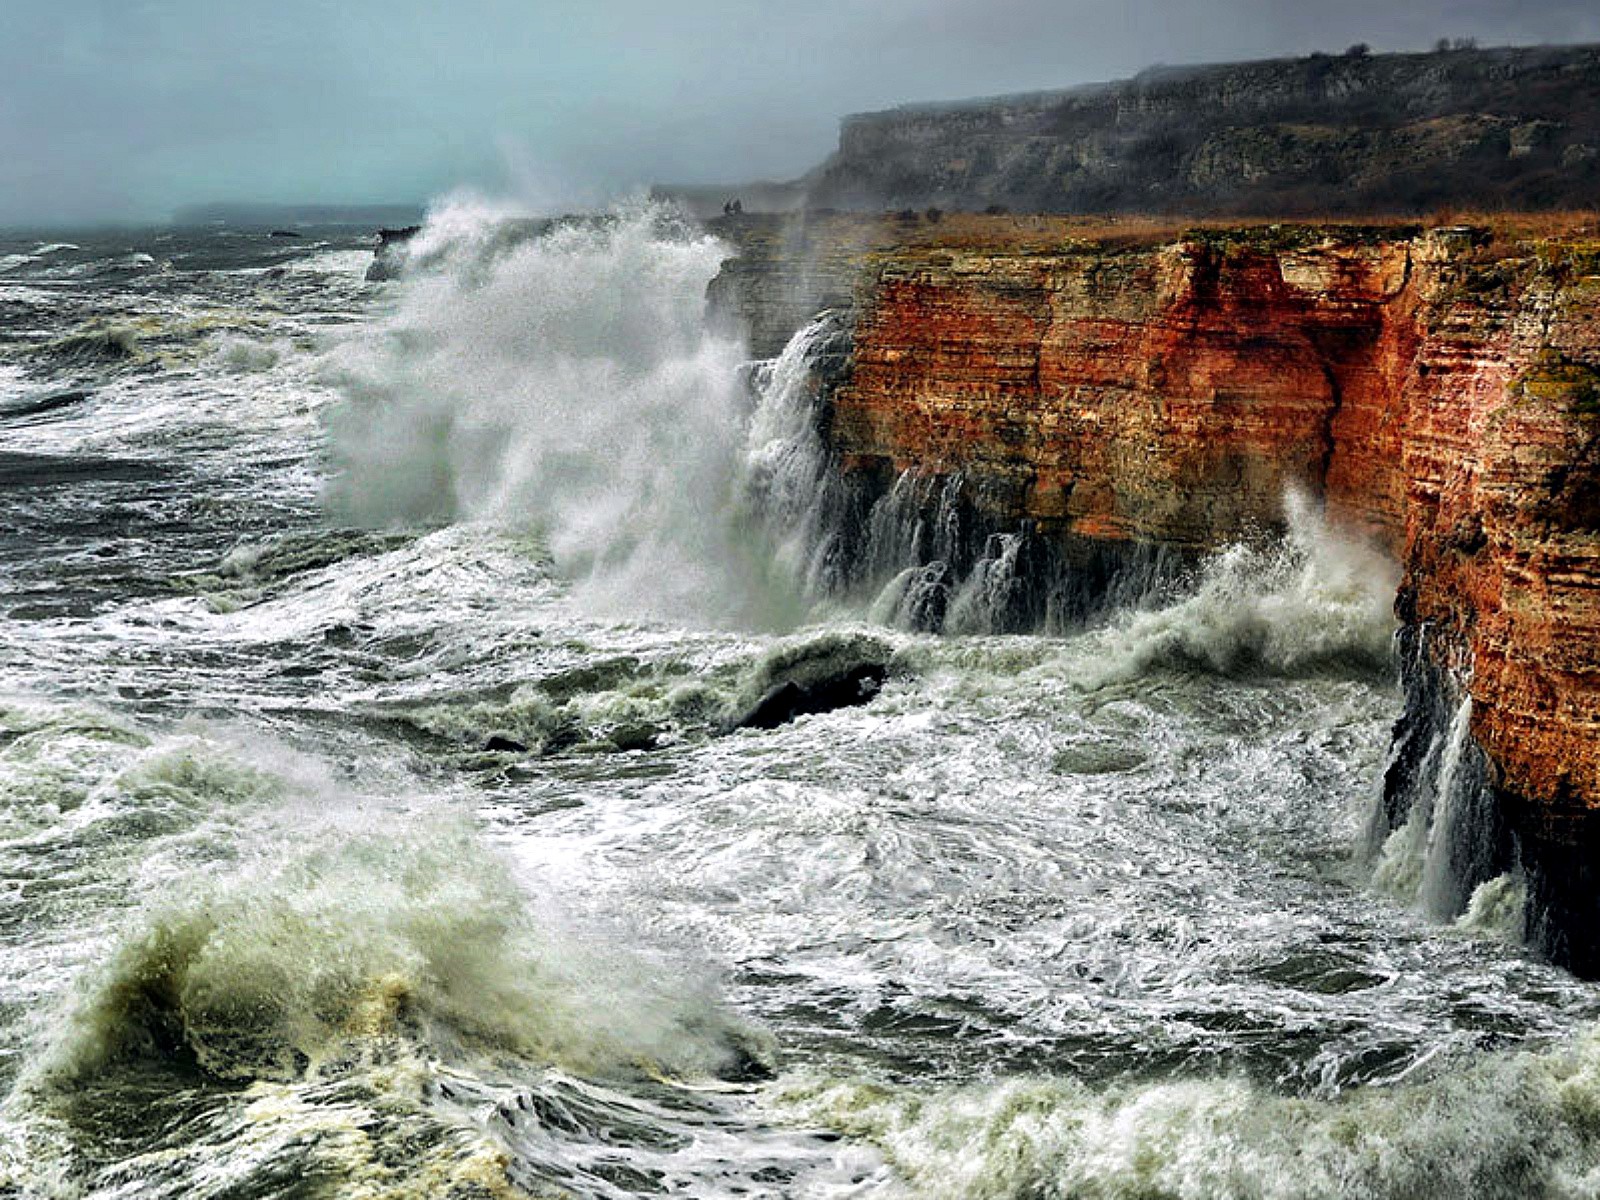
(789, 699)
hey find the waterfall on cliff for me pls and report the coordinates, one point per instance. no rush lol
(1446, 854)
(1438, 893)
(786, 482)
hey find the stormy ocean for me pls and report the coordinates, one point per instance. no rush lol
(393, 803)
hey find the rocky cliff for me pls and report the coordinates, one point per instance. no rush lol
(1122, 394)
(1352, 133)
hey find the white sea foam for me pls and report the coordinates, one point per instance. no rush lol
(1506, 1129)
(1311, 601)
(351, 960)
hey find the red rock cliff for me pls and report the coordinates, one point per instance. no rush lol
(1439, 398)
(1439, 389)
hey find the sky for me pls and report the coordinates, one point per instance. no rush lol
(123, 110)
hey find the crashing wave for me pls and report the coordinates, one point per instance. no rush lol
(1311, 602)
(563, 382)
(419, 937)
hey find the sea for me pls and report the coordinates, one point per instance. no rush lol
(393, 801)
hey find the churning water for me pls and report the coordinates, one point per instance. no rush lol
(379, 815)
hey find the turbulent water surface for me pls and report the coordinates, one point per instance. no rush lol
(376, 817)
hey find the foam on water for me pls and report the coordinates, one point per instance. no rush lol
(1310, 602)
(1520, 1126)
(352, 981)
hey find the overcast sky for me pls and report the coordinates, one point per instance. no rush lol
(125, 109)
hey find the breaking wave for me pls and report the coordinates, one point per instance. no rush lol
(1312, 601)
(321, 984)
(419, 936)
(561, 377)
(1504, 1129)
(96, 342)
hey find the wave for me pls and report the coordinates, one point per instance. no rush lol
(1310, 602)
(246, 355)
(97, 342)
(135, 260)
(561, 379)
(1503, 1129)
(418, 936)
(79, 775)
(323, 261)
(10, 262)
(318, 980)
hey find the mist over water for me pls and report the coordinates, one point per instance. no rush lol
(378, 815)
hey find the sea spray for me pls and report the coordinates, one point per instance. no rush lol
(788, 478)
(562, 377)
(1439, 887)
(1496, 908)
(301, 958)
(1310, 602)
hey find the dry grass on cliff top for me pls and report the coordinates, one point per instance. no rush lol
(1042, 232)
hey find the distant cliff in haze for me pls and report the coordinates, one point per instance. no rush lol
(1515, 128)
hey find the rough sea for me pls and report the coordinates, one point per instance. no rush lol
(379, 816)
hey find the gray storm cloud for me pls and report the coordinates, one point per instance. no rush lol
(125, 109)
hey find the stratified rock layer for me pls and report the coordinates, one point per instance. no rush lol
(1441, 391)
(1501, 128)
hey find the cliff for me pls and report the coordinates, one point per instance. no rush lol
(1513, 128)
(1136, 392)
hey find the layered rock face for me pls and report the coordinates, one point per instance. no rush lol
(1354, 133)
(1164, 395)
(1438, 389)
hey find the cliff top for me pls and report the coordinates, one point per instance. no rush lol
(1459, 76)
(829, 233)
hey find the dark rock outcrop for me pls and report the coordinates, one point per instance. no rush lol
(389, 254)
(812, 677)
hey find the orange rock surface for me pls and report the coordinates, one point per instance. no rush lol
(1441, 390)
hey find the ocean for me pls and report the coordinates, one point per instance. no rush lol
(389, 804)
